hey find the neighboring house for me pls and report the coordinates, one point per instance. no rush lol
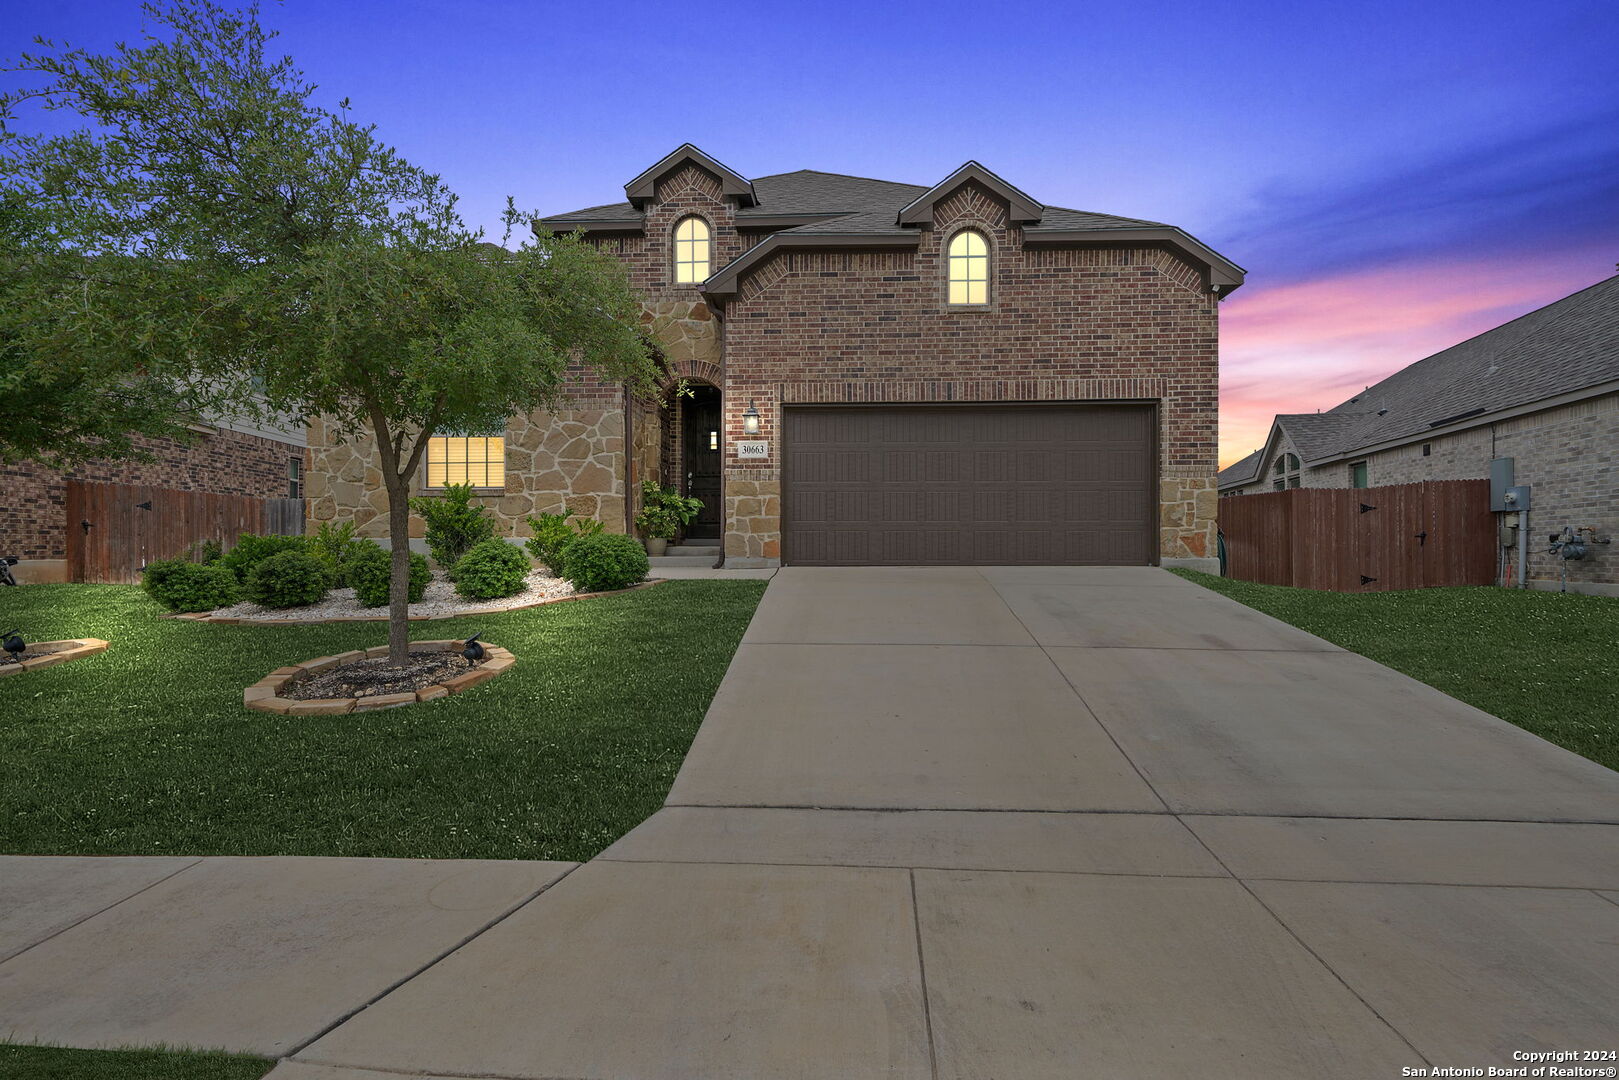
(880, 373)
(226, 458)
(1542, 389)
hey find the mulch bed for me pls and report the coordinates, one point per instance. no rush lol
(369, 678)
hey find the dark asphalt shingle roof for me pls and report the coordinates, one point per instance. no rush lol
(862, 206)
(1565, 346)
(1240, 472)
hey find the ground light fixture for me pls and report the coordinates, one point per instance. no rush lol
(750, 420)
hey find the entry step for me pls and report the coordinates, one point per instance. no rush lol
(681, 560)
(709, 551)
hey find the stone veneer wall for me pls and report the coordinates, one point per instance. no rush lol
(572, 458)
(34, 500)
(1063, 324)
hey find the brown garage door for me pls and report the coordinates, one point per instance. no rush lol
(899, 485)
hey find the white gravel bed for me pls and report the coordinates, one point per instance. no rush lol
(440, 599)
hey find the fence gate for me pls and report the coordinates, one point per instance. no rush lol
(113, 530)
(1405, 536)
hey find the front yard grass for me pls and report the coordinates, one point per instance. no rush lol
(1547, 662)
(147, 750)
(30, 1062)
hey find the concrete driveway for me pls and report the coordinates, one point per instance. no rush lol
(1039, 823)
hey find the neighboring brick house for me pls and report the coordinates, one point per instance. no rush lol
(234, 459)
(1542, 390)
(880, 373)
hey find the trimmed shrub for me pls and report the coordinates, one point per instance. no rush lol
(290, 579)
(491, 569)
(182, 585)
(251, 549)
(454, 524)
(552, 534)
(369, 571)
(605, 561)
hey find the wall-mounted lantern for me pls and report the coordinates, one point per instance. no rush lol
(750, 420)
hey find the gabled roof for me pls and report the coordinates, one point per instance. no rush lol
(732, 182)
(1245, 471)
(920, 210)
(1564, 351)
(809, 208)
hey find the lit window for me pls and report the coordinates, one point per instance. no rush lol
(713, 440)
(691, 251)
(466, 459)
(969, 268)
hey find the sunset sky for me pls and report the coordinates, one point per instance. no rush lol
(1394, 176)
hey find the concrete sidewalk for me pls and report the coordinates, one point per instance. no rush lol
(1017, 823)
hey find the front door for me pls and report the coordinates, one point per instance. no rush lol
(703, 460)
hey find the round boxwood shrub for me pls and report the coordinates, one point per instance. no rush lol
(604, 562)
(290, 579)
(182, 585)
(491, 568)
(369, 571)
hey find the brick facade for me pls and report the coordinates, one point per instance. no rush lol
(1568, 455)
(1100, 322)
(1062, 324)
(33, 525)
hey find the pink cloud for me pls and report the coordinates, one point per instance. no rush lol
(1310, 345)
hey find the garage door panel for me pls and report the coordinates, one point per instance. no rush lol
(986, 484)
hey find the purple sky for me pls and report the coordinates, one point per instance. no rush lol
(1395, 176)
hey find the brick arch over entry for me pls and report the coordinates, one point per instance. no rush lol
(697, 370)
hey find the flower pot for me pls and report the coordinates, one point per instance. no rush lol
(656, 545)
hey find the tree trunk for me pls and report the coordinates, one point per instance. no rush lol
(399, 577)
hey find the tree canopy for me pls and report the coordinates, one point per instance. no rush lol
(215, 237)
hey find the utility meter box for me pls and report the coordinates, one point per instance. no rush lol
(1501, 478)
(1517, 498)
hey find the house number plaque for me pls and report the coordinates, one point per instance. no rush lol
(753, 448)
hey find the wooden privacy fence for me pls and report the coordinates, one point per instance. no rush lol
(1407, 536)
(113, 530)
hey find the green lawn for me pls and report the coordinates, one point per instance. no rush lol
(19, 1062)
(1547, 662)
(146, 749)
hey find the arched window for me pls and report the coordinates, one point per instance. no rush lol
(691, 251)
(1285, 472)
(969, 268)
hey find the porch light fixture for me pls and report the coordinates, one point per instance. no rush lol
(750, 420)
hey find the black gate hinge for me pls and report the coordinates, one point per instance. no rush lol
(1364, 580)
(1364, 508)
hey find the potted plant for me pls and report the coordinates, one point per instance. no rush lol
(663, 512)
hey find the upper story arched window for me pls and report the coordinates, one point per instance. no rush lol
(969, 268)
(1285, 472)
(691, 251)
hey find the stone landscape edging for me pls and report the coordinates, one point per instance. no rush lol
(77, 649)
(231, 620)
(264, 696)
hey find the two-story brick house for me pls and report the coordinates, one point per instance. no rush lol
(879, 373)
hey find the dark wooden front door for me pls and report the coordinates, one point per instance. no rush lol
(703, 460)
(989, 484)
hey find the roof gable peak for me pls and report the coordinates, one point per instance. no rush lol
(1023, 206)
(640, 190)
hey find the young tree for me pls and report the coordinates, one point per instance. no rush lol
(251, 242)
